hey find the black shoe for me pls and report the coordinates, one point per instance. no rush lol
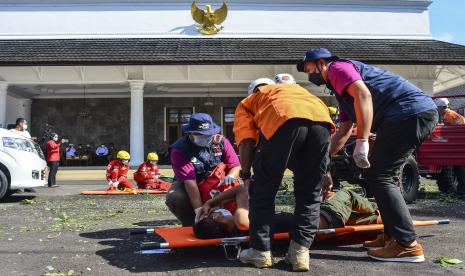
(54, 186)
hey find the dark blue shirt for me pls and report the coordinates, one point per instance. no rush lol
(394, 98)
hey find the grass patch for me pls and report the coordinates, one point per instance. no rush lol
(27, 201)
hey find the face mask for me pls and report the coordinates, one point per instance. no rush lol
(201, 140)
(224, 212)
(153, 162)
(125, 162)
(316, 78)
(24, 127)
(55, 138)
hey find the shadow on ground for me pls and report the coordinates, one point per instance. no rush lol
(15, 198)
(123, 251)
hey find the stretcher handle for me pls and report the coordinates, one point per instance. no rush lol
(443, 221)
(142, 231)
(154, 245)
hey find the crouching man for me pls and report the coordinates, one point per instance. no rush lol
(148, 175)
(117, 172)
(204, 164)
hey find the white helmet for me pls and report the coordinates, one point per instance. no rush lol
(257, 82)
(441, 102)
(284, 78)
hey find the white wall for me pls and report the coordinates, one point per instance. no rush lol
(16, 108)
(332, 18)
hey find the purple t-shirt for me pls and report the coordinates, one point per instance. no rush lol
(341, 74)
(184, 170)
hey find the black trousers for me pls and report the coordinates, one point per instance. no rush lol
(395, 141)
(459, 171)
(302, 146)
(53, 169)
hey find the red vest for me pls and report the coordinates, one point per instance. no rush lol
(208, 187)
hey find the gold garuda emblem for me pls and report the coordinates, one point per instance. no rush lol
(209, 20)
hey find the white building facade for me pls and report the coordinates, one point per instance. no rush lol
(87, 59)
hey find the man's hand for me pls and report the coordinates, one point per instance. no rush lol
(198, 213)
(327, 185)
(112, 185)
(206, 209)
(361, 153)
(228, 180)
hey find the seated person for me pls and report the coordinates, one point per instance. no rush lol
(70, 151)
(117, 172)
(344, 207)
(147, 175)
(101, 154)
(204, 164)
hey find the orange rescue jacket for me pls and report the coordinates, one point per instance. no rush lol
(452, 118)
(270, 107)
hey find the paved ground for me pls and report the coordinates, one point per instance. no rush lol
(58, 232)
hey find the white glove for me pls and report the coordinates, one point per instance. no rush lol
(198, 213)
(361, 153)
(228, 180)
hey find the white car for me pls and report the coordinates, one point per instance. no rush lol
(22, 163)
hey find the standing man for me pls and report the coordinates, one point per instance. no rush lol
(446, 115)
(401, 115)
(204, 164)
(281, 126)
(451, 118)
(21, 128)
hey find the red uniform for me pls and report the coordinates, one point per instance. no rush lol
(148, 175)
(53, 151)
(119, 172)
(209, 187)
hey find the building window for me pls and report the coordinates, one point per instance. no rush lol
(228, 124)
(175, 118)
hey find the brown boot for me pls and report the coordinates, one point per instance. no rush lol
(395, 252)
(380, 241)
(298, 256)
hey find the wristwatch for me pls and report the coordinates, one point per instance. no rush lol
(244, 175)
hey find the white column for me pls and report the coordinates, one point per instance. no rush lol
(3, 94)
(137, 122)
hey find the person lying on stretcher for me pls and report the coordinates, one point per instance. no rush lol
(344, 207)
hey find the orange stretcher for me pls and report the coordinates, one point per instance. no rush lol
(119, 192)
(183, 237)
